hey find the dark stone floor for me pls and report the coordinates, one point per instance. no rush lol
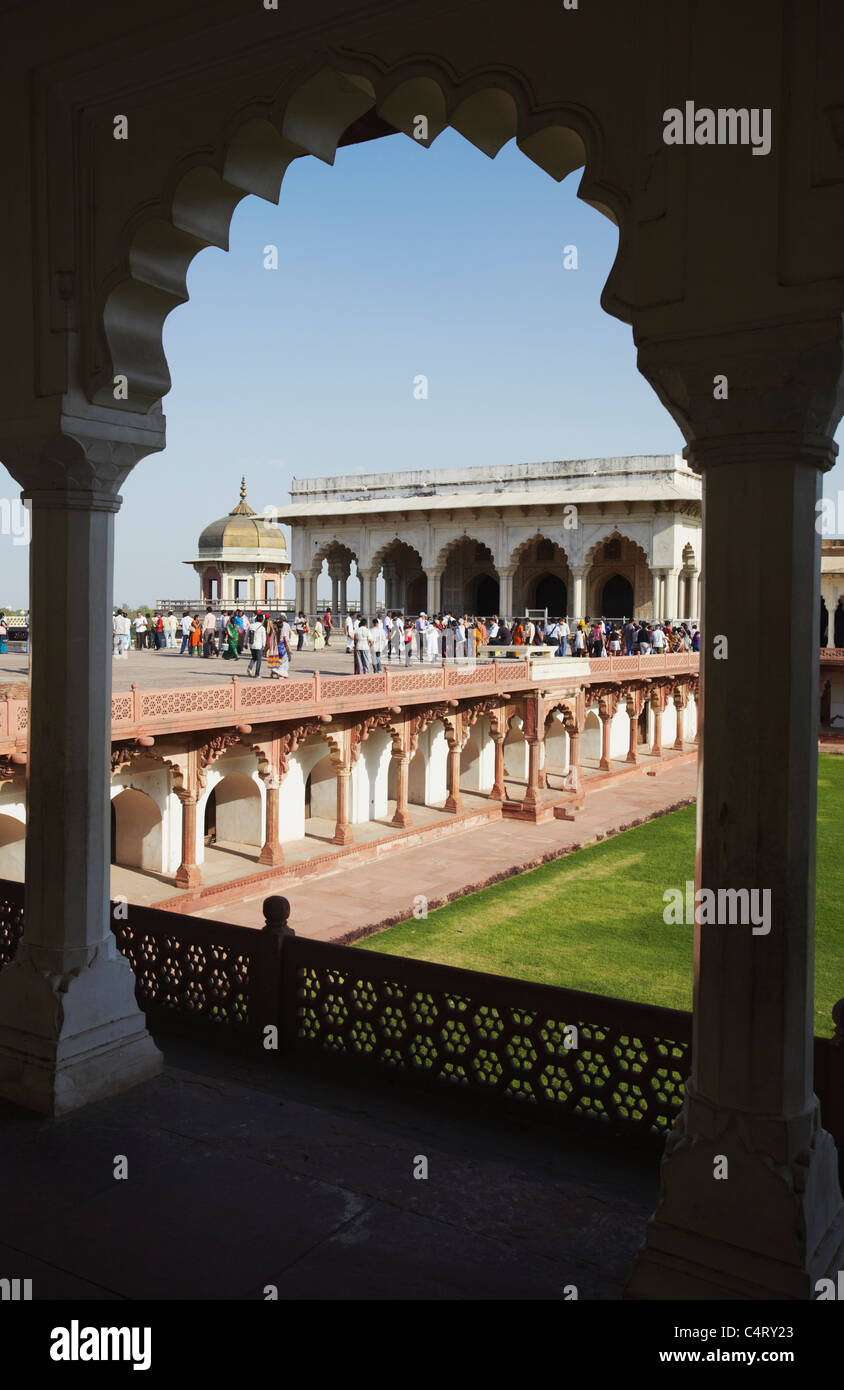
(244, 1173)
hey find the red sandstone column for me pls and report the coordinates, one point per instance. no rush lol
(530, 798)
(656, 746)
(271, 850)
(454, 802)
(188, 874)
(605, 710)
(681, 720)
(402, 817)
(343, 831)
(497, 789)
(634, 709)
(574, 753)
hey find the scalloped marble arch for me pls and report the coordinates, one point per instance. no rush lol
(488, 109)
(518, 552)
(591, 555)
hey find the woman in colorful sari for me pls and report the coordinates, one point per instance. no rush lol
(273, 653)
(195, 636)
(230, 640)
(319, 636)
(518, 635)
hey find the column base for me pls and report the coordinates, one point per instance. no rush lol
(632, 757)
(342, 835)
(402, 819)
(188, 876)
(66, 1040)
(271, 854)
(453, 804)
(766, 1231)
(496, 794)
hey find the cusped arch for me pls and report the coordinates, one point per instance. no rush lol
(396, 547)
(256, 147)
(594, 552)
(523, 549)
(456, 542)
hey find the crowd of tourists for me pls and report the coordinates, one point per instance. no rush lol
(391, 637)
(226, 636)
(394, 637)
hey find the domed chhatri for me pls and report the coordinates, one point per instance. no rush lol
(242, 558)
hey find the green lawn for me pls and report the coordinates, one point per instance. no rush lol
(593, 919)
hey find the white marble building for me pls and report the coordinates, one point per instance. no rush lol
(581, 537)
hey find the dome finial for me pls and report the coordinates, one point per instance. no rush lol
(243, 488)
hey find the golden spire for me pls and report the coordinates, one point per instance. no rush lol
(243, 488)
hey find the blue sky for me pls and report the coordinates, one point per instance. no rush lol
(395, 261)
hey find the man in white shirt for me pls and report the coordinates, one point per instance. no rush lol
(209, 628)
(421, 629)
(563, 634)
(493, 629)
(349, 629)
(363, 649)
(659, 642)
(140, 626)
(257, 643)
(379, 642)
(185, 626)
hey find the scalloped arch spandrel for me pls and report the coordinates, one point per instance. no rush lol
(251, 154)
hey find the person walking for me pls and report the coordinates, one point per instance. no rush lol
(379, 642)
(327, 625)
(195, 636)
(301, 631)
(185, 626)
(421, 626)
(209, 633)
(140, 626)
(363, 649)
(319, 636)
(229, 652)
(257, 646)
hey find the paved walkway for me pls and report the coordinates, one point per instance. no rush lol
(243, 1172)
(350, 901)
(165, 670)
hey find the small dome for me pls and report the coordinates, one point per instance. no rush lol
(242, 529)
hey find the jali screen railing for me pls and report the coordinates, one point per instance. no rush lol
(542, 1049)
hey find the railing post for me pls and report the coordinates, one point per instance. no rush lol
(316, 688)
(388, 685)
(276, 996)
(136, 704)
(6, 717)
(235, 694)
(495, 669)
(444, 678)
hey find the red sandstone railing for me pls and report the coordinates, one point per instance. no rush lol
(547, 1050)
(833, 654)
(170, 710)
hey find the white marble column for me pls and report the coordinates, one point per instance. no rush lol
(772, 1223)
(343, 601)
(671, 595)
(576, 610)
(433, 577)
(300, 593)
(70, 1029)
(656, 601)
(505, 594)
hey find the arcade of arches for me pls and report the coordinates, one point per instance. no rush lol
(96, 244)
(260, 800)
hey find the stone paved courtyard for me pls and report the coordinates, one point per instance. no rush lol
(245, 1171)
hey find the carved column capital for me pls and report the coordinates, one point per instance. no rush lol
(777, 390)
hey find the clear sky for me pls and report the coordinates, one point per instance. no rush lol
(396, 261)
